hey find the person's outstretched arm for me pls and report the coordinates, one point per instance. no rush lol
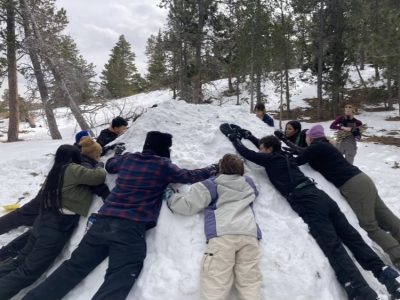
(261, 159)
(192, 203)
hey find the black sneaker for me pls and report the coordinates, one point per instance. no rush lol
(391, 279)
(363, 292)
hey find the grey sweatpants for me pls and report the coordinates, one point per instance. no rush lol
(382, 226)
(348, 147)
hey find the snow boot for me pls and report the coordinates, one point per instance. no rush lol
(391, 279)
(360, 292)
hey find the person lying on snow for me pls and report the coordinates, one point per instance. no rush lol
(119, 228)
(381, 224)
(232, 255)
(65, 196)
(327, 224)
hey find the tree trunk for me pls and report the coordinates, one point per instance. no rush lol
(258, 87)
(197, 78)
(13, 125)
(37, 69)
(390, 96)
(287, 91)
(398, 89)
(237, 90)
(377, 76)
(56, 73)
(361, 78)
(230, 84)
(320, 56)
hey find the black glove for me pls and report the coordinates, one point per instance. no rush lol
(234, 136)
(245, 133)
(280, 135)
(291, 151)
(119, 149)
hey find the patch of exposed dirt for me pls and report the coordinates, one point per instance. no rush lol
(385, 140)
(393, 119)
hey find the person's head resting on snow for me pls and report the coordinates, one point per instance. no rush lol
(118, 125)
(260, 111)
(159, 143)
(90, 148)
(231, 164)
(270, 144)
(292, 128)
(315, 132)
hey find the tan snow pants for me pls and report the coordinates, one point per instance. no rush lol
(228, 260)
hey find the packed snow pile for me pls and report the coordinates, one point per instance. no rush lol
(293, 266)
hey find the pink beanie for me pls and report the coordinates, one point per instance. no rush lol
(317, 131)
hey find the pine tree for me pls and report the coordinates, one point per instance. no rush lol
(157, 76)
(120, 76)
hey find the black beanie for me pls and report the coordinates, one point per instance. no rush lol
(158, 142)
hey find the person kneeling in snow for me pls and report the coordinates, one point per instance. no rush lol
(231, 230)
(119, 228)
(327, 224)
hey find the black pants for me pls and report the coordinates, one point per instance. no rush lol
(122, 240)
(330, 228)
(50, 233)
(24, 216)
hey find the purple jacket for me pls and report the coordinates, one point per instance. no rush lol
(142, 179)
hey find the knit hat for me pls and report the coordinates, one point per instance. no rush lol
(159, 142)
(90, 148)
(317, 131)
(80, 135)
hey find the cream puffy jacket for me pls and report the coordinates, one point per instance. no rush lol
(227, 201)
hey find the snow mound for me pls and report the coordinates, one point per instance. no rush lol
(293, 266)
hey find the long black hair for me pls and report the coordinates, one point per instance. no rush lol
(52, 190)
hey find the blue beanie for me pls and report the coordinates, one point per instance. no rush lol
(81, 134)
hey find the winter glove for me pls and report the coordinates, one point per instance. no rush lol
(119, 149)
(245, 133)
(234, 136)
(168, 192)
(291, 151)
(215, 168)
(280, 135)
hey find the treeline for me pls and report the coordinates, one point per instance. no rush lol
(34, 44)
(245, 41)
(251, 40)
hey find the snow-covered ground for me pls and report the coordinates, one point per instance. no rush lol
(293, 265)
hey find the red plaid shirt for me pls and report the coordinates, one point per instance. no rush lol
(142, 179)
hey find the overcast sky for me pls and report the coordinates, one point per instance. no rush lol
(95, 25)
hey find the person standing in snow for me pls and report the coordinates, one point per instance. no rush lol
(261, 113)
(381, 224)
(117, 127)
(327, 224)
(232, 255)
(64, 197)
(119, 228)
(348, 132)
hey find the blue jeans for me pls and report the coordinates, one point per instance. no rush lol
(122, 240)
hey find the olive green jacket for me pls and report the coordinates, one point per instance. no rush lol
(76, 195)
